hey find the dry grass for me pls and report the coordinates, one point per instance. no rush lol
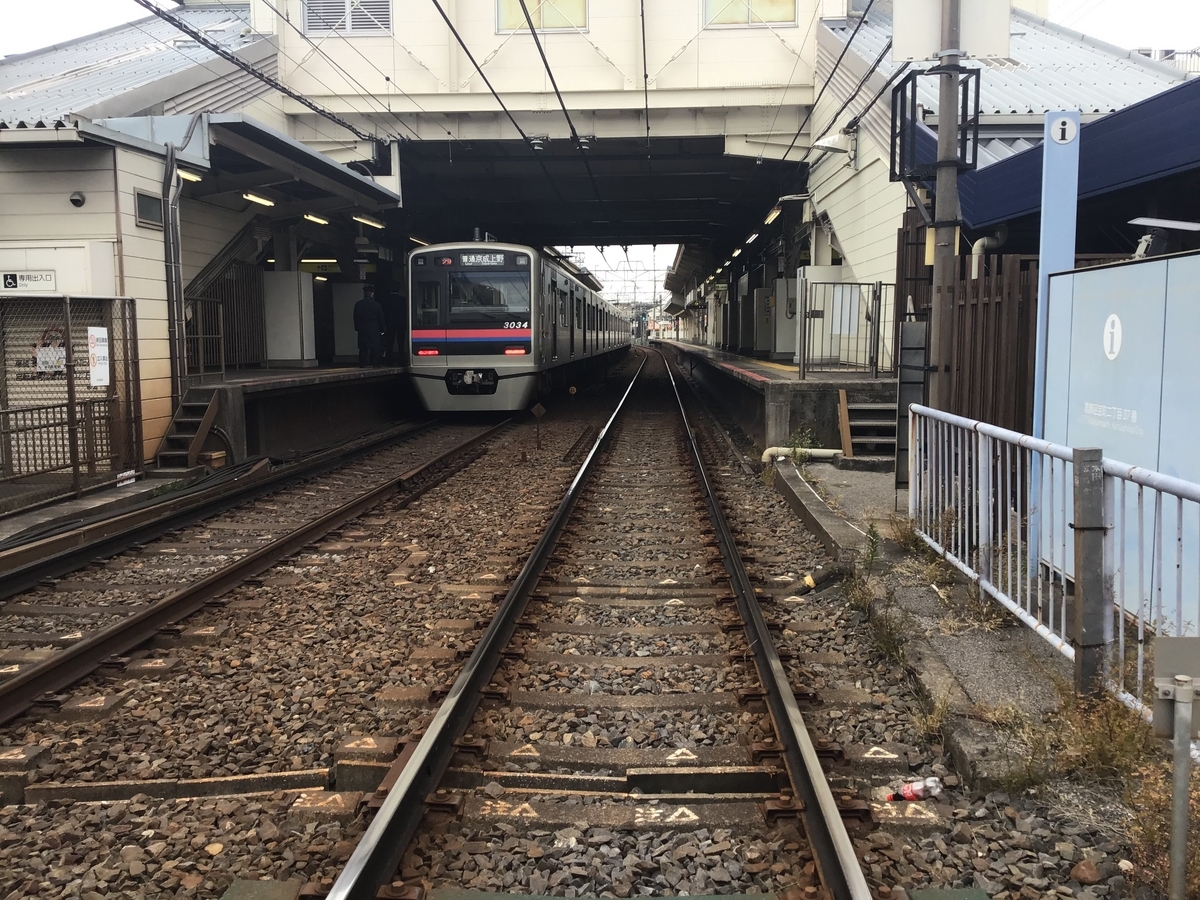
(1148, 794)
(932, 722)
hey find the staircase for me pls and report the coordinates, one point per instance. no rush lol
(181, 445)
(867, 429)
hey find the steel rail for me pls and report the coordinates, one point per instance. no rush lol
(832, 847)
(382, 847)
(67, 666)
(26, 565)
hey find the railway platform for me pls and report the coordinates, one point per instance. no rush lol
(280, 412)
(769, 401)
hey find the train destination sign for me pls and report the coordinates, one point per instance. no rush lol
(481, 259)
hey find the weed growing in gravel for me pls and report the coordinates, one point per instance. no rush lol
(1148, 794)
(889, 627)
(933, 721)
(904, 533)
(768, 476)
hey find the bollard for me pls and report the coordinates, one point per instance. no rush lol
(1182, 791)
(1093, 603)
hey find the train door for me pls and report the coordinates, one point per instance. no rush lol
(552, 314)
(574, 304)
(547, 311)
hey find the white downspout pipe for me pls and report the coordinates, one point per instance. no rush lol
(981, 246)
(798, 454)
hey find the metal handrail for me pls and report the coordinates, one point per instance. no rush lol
(832, 848)
(382, 846)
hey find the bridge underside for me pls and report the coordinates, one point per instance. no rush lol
(678, 190)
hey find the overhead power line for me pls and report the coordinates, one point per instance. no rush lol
(557, 93)
(204, 40)
(828, 81)
(479, 69)
(854, 93)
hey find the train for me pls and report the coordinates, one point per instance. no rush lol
(492, 325)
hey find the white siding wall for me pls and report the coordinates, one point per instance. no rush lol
(698, 76)
(145, 281)
(35, 187)
(865, 209)
(204, 231)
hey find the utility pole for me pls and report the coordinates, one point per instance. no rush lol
(945, 214)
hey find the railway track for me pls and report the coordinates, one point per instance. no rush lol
(624, 722)
(66, 628)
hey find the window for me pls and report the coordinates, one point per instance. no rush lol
(348, 16)
(427, 304)
(484, 298)
(148, 209)
(749, 12)
(547, 15)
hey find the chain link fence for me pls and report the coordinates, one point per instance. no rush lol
(69, 398)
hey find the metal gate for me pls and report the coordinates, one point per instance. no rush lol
(70, 413)
(226, 323)
(849, 327)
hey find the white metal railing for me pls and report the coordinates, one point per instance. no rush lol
(1004, 508)
(975, 490)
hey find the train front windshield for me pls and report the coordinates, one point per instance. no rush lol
(471, 302)
(483, 298)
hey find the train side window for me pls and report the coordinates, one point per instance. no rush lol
(427, 304)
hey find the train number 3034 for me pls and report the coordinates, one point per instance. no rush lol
(516, 324)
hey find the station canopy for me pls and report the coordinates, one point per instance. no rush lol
(676, 191)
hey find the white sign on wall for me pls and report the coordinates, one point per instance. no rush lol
(41, 281)
(98, 356)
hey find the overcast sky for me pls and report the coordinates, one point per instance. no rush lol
(1158, 24)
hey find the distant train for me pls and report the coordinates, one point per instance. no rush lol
(494, 324)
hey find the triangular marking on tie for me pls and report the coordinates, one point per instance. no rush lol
(367, 743)
(10, 670)
(525, 811)
(917, 811)
(527, 750)
(94, 703)
(668, 581)
(681, 754)
(683, 814)
(674, 601)
(879, 753)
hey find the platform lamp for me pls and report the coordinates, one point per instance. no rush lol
(777, 209)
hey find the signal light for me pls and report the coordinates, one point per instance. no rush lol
(514, 351)
(427, 351)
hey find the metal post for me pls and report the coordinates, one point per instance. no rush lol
(876, 330)
(941, 319)
(72, 413)
(983, 505)
(1093, 605)
(1183, 777)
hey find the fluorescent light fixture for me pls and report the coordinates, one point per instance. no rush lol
(320, 278)
(728, 261)
(773, 214)
(417, 240)
(270, 260)
(190, 176)
(254, 198)
(720, 270)
(367, 220)
(319, 261)
(737, 252)
(1175, 224)
(362, 260)
(752, 238)
(316, 219)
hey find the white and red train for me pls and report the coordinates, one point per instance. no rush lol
(494, 324)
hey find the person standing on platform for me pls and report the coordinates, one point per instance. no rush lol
(394, 310)
(370, 324)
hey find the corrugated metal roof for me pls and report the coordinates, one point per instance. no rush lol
(1050, 68)
(47, 85)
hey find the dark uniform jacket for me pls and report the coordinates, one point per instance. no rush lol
(369, 322)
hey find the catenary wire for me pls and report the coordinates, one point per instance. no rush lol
(557, 93)
(828, 81)
(783, 96)
(503, 106)
(854, 93)
(338, 66)
(205, 41)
